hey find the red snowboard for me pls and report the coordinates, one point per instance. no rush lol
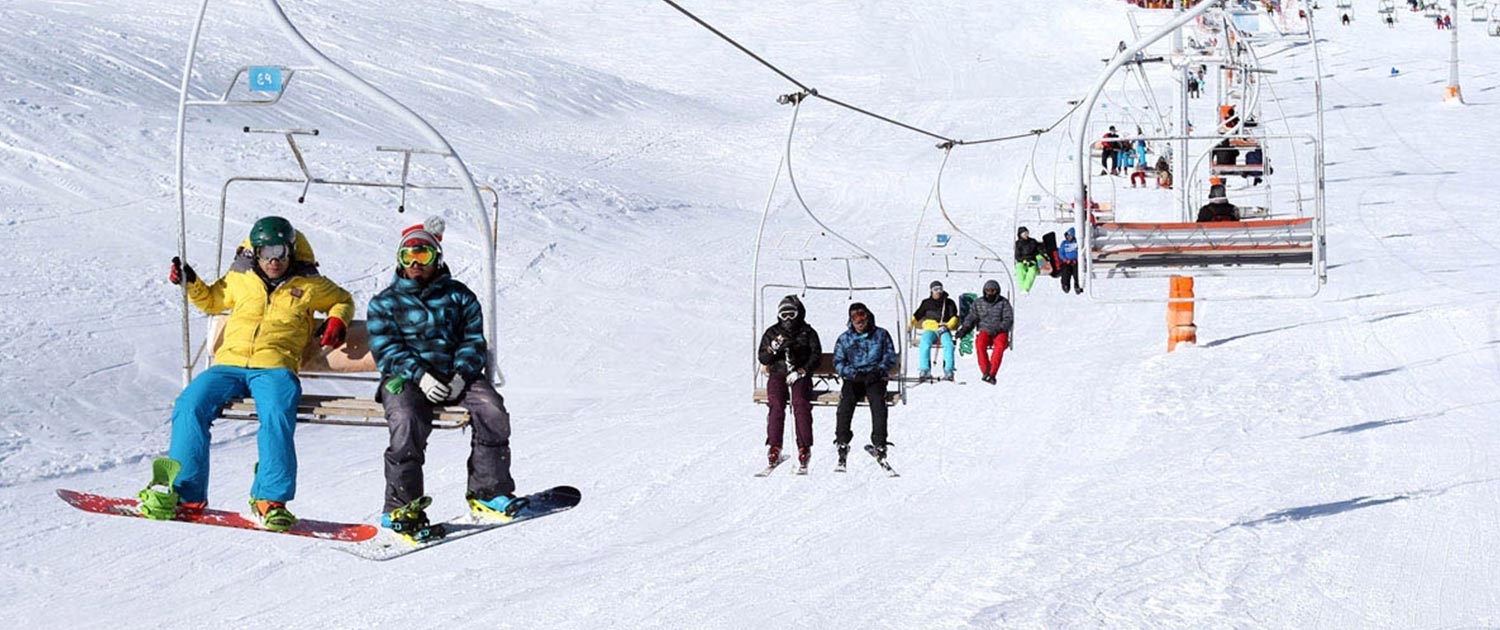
(324, 530)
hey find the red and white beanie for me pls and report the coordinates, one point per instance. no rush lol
(429, 232)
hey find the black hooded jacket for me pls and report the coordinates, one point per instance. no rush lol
(1027, 248)
(799, 345)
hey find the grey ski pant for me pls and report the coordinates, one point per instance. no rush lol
(409, 415)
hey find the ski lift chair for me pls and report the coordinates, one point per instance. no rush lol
(949, 254)
(1161, 249)
(826, 381)
(351, 361)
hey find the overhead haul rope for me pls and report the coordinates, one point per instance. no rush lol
(809, 91)
(795, 100)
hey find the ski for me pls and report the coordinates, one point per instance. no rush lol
(870, 448)
(801, 469)
(390, 545)
(771, 467)
(119, 506)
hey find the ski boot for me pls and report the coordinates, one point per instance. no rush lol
(774, 455)
(843, 454)
(948, 375)
(804, 454)
(159, 498)
(924, 376)
(272, 515)
(410, 522)
(879, 453)
(501, 506)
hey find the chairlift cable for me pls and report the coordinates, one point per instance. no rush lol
(813, 92)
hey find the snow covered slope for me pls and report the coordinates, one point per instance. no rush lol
(1315, 464)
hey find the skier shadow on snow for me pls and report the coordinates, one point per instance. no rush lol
(1219, 342)
(1376, 424)
(1320, 510)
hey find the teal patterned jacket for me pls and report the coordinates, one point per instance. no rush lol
(437, 329)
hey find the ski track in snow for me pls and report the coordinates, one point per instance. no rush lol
(1321, 463)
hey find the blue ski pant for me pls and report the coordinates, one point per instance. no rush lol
(277, 392)
(924, 354)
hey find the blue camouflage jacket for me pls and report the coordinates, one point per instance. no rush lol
(869, 351)
(438, 328)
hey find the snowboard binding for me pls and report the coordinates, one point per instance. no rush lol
(158, 500)
(410, 522)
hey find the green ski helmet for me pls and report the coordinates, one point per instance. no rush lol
(273, 231)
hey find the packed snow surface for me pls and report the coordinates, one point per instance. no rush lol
(1317, 463)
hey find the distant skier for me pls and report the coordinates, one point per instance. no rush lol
(1028, 259)
(271, 292)
(1110, 152)
(1163, 172)
(789, 352)
(1067, 252)
(1218, 207)
(935, 317)
(427, 337)
(863, 358)
(1345, 19)
(993, 316)
(1194, 89)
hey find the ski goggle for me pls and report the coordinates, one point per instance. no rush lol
(787, 316)
(423, 255)
(859, 316)
(272, 252)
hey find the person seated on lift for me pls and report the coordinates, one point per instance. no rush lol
(1218, 207)
(935, 319)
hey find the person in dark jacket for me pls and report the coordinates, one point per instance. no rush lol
(1067, 253)
(935, 318)
(1029, 259)
(789, 351)
(1110, 151)
(1218, 207)
(863, 358)
(427, 337)
(993, 316)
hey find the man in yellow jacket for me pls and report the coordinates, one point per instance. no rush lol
(271, 292)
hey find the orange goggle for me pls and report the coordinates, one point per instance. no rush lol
(423, 255)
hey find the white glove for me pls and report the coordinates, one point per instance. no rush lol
(435, 390)
(792, 376)
(776, 345)
(457, 387)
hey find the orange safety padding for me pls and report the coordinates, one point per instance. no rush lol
(1180, 326)
(1223, 225)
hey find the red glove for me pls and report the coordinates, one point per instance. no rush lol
(181, 271)
(333, 334)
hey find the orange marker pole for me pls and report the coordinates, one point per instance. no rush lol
(1180, 326)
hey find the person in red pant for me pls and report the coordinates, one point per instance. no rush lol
(993, 316)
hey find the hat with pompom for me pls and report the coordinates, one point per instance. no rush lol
(429, 233)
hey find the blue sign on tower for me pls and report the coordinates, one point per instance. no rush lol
(265, 78)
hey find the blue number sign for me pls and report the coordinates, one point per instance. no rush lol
(265, 79)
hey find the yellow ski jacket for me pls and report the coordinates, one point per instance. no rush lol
(268, 328)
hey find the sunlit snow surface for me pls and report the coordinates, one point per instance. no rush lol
(1324, 463)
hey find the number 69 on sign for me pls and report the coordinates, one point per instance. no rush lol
(265, 78)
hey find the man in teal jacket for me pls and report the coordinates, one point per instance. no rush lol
(863, 357)
(427, 335)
